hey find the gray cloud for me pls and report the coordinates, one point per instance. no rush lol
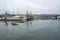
(38, 6)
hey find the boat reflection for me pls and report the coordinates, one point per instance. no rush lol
(15, 23)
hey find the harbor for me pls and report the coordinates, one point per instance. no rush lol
(22, 17)
(29, 19)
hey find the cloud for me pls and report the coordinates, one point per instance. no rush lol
(34, 5)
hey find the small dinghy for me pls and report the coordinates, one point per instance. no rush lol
(14, 23)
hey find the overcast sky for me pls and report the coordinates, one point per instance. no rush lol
(36, 6)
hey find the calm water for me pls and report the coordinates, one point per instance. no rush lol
(34, 30)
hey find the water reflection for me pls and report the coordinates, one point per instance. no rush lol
(30, 30)
(15, 23)
(6, 23)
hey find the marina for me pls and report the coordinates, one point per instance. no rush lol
(29, 19)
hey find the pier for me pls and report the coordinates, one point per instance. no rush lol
(12, 19)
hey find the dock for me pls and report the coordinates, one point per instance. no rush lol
(12, 19)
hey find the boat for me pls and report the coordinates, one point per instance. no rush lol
(14, 23)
